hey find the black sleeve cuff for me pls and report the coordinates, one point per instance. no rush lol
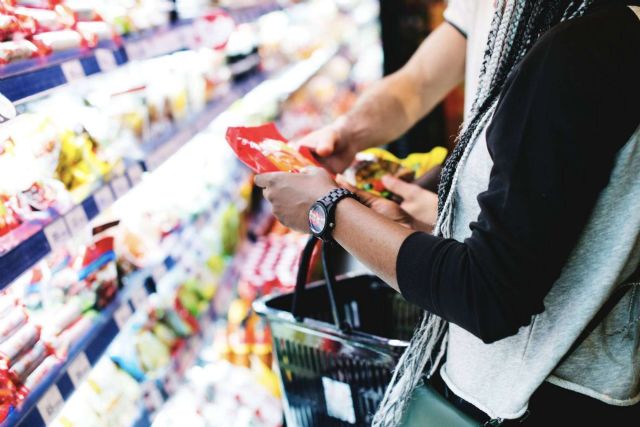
(464, 34)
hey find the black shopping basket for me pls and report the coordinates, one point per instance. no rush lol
(336, 346)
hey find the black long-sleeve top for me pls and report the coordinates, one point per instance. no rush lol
(562, 117)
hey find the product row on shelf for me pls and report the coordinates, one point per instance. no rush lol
(57, 155)
(50, 43)
(130, 246)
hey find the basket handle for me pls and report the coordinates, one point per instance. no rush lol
(301, 282)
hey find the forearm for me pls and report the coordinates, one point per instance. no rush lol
(393, 105)
(370, 237)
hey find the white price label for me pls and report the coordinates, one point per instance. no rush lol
(79, 369)
(103, 198)
(122, 315)
(151, 396)
(72, 70)
(57, 233)
(106, 60)
(50, 404)
(120, 186)
(139, 297)
(158, 273)
(76, 219)
(135, 173)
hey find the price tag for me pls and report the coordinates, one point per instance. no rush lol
(106, 60)
(79, 369)
(151, 396)
(72, 70)
(103, 198)
(139, 297)
(76, 219)
(120, 186)
(158, 273)
(50, 404)
(135, 173)
(122, 315)
(57, 233)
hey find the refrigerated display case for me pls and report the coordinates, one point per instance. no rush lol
(130, 245)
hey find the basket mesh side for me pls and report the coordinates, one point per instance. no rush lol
(302, 369)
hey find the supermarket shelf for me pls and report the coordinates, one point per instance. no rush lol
(28, 78)
(49, 396)
(26, 254)
(46, 400)
(60, 384)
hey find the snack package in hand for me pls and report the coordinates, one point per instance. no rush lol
(371, 165)
(264, 149)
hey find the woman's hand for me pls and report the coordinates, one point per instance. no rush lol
(292, 194)
(421, 204)
(332, 148)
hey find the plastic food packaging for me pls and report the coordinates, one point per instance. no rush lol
(371, 165)
(264, 149)
(19, 343)
(38, 375)
(10, 322)
(12, 51)
(55, 41)
(20, 370)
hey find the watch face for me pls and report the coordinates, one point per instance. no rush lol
(317, 218)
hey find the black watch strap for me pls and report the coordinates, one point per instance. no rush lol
(335, 195)
(330, 201)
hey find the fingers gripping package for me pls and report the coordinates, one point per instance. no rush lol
(264, 149)
(371, 165)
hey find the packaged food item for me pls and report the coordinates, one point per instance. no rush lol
(371, 165)
(264, 149)
(20, 370)
(11, 51)
(38, 375)
(10, 322)
(55, 41)
(45, 19)
(19, 343)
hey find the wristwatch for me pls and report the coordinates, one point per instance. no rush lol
(322, 213)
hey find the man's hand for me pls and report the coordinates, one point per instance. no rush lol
(334, 151)
(418, 202)
(292, 194)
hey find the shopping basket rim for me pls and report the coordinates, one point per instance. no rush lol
(318, 327)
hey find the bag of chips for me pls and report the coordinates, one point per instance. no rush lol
(264, 149)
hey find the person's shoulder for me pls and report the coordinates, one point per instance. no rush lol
(601, 46)
(605, 32)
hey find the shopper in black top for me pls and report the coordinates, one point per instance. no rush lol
(560, 148)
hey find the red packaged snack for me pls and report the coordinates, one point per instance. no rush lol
(264, 149)
(55, 41)
(21, 369)
(12, 51)
(9, 24)
(19, 343)
(45, 20)
(11, 321)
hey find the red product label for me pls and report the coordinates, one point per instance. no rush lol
(264, 149)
